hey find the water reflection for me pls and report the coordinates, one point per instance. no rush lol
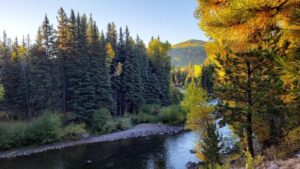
(157, 152)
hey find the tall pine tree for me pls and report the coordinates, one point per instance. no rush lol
(43, 89)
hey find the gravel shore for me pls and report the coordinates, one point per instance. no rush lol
(141, 130)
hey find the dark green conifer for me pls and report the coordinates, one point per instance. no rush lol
(43, 89)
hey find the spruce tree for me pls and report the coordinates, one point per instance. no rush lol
(132, 79)
(73, 65)
(15, 82)
(4, 58)
(114, 67)
(211, 147)
(121, 47)
(111, 35)
(207, 78)
(157, 52)
(98, 70)
(143, 64)
(105, 87)
(43, 89)
(62, 54)
(87, 90)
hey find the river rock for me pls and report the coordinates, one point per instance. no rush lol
(84, 135)
(298, 154)
(192, 151)
(273, 166)
(88, 161)
(191, 165)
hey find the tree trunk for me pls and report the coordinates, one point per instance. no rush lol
(25, 78)
(249, 113)
(249, 134)
(64, 88)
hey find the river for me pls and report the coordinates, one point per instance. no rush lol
(153, 152)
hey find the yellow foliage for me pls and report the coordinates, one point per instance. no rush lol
(288, 98)
(261, 128)
(197, 70)
(198, 111)
(241, 24)
(19, 52)
(155, 46)
(293, 136)
(198, 153)
(110, 53)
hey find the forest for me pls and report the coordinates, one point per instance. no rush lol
(78, 77)
(75, 80)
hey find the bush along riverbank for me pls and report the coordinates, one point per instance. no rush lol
(49, 127)
(140, 130)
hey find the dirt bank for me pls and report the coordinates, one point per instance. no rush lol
(293, 163)
(140, 130)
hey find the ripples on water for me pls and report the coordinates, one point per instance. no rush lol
(156, 152)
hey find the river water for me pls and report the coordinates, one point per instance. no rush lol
(154, 152)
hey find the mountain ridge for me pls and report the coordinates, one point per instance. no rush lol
(189, 51)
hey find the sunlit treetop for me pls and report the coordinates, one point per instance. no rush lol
(242, 23)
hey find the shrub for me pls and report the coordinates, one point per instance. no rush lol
(143, 118)
(175, 95)
(289, 145)
(124, 123)
(150, 108)
(147, 114)
(102, 121)
(1, 93)
(172, 114)
(74, 131)
(45, 129)
(4, 136)
(18, 134)
(293, 137)
(12, 134)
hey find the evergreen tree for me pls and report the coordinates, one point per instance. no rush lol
(87, 90)
(111, 35)
(242, 68)
(4, 58)
(132, 79)
(115, 67)
(98, 70)
(211, 147)
(117, 86)
(254, 98)
(15, 81)
(207, 78)
(43, 89)
(143, 64)
(73, 65)
(151, 85)
(157, 52)
(121, 51)
(62, 54)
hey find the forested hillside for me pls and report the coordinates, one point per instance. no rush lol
(191, 51)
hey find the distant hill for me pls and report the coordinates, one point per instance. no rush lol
(191, 51)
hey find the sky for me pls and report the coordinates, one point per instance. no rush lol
(172, 20)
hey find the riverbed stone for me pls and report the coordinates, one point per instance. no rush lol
(273, 166)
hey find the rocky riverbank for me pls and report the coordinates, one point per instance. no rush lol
(141, 130)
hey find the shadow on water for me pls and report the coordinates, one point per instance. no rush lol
(155, 152)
